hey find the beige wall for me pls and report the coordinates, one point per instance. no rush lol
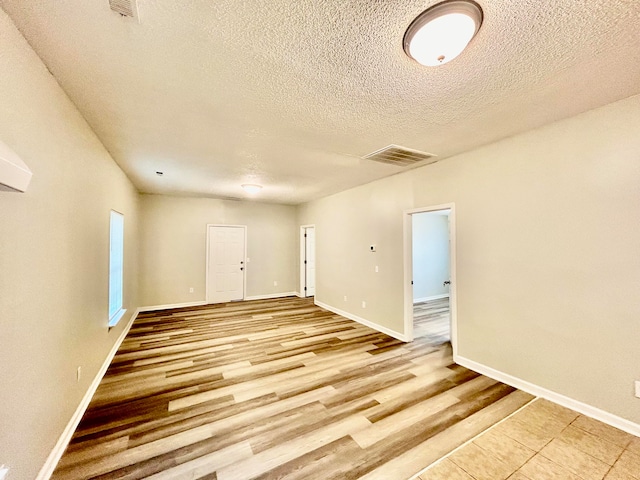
(54, 258)
(548, 253)
(174, 239)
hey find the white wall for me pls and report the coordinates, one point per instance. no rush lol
(430, 240)
(54, 258)
(548, 253)
(174, 239)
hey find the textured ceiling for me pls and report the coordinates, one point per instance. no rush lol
(291, 94)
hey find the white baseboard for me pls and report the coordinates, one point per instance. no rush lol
(580, 407)
(172, 305)
(432, 297)
(298, 294)
(54, 457)
(204, 302)
(271, 295)
(363, 321)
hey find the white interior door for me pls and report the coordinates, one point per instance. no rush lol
(225, 265)
(310, 258)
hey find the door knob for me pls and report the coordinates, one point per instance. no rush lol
(241, 268)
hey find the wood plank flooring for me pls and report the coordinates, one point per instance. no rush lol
(277, 389)
(432, 319)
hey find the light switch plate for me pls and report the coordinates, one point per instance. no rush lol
(638, 388)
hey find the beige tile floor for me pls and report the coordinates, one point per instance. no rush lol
(544, 441)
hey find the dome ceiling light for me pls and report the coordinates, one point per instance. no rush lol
(442, 32)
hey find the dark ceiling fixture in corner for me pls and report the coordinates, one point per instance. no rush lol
(442, 32)
(400, 156)
(126, 8)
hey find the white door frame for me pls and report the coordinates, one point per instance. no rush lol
(408, 271)
(301, 292)
(206, 266)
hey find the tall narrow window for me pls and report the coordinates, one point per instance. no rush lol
(116, 263)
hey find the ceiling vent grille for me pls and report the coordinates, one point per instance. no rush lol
(126, 8)
(400, 156)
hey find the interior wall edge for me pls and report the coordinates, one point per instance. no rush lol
(270, 296)
(568, 402)
(151, 308)
(363, 321)
(61, 445)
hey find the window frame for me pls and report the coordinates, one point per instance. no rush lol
(115, 309)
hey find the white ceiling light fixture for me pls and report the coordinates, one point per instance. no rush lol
(442, 32)
(252, 188)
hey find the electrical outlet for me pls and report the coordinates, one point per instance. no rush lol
(376, 268)
(345, 298)
(638, 388)
(275, 283)
(364, 304)
(3, 472)
(78, 374)
(190, 289)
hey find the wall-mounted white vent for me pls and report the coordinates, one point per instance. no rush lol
(14, 174)
(126, 8)
(400, 156)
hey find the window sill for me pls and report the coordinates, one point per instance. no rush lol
(113, 321)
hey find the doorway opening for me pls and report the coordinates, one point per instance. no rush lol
(430, 311)
(226, 255)
(307, 261)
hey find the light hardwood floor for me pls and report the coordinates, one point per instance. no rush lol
(431, 320)
(277, 389)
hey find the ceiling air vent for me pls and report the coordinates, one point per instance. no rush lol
(400, 156)
(126, 8)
